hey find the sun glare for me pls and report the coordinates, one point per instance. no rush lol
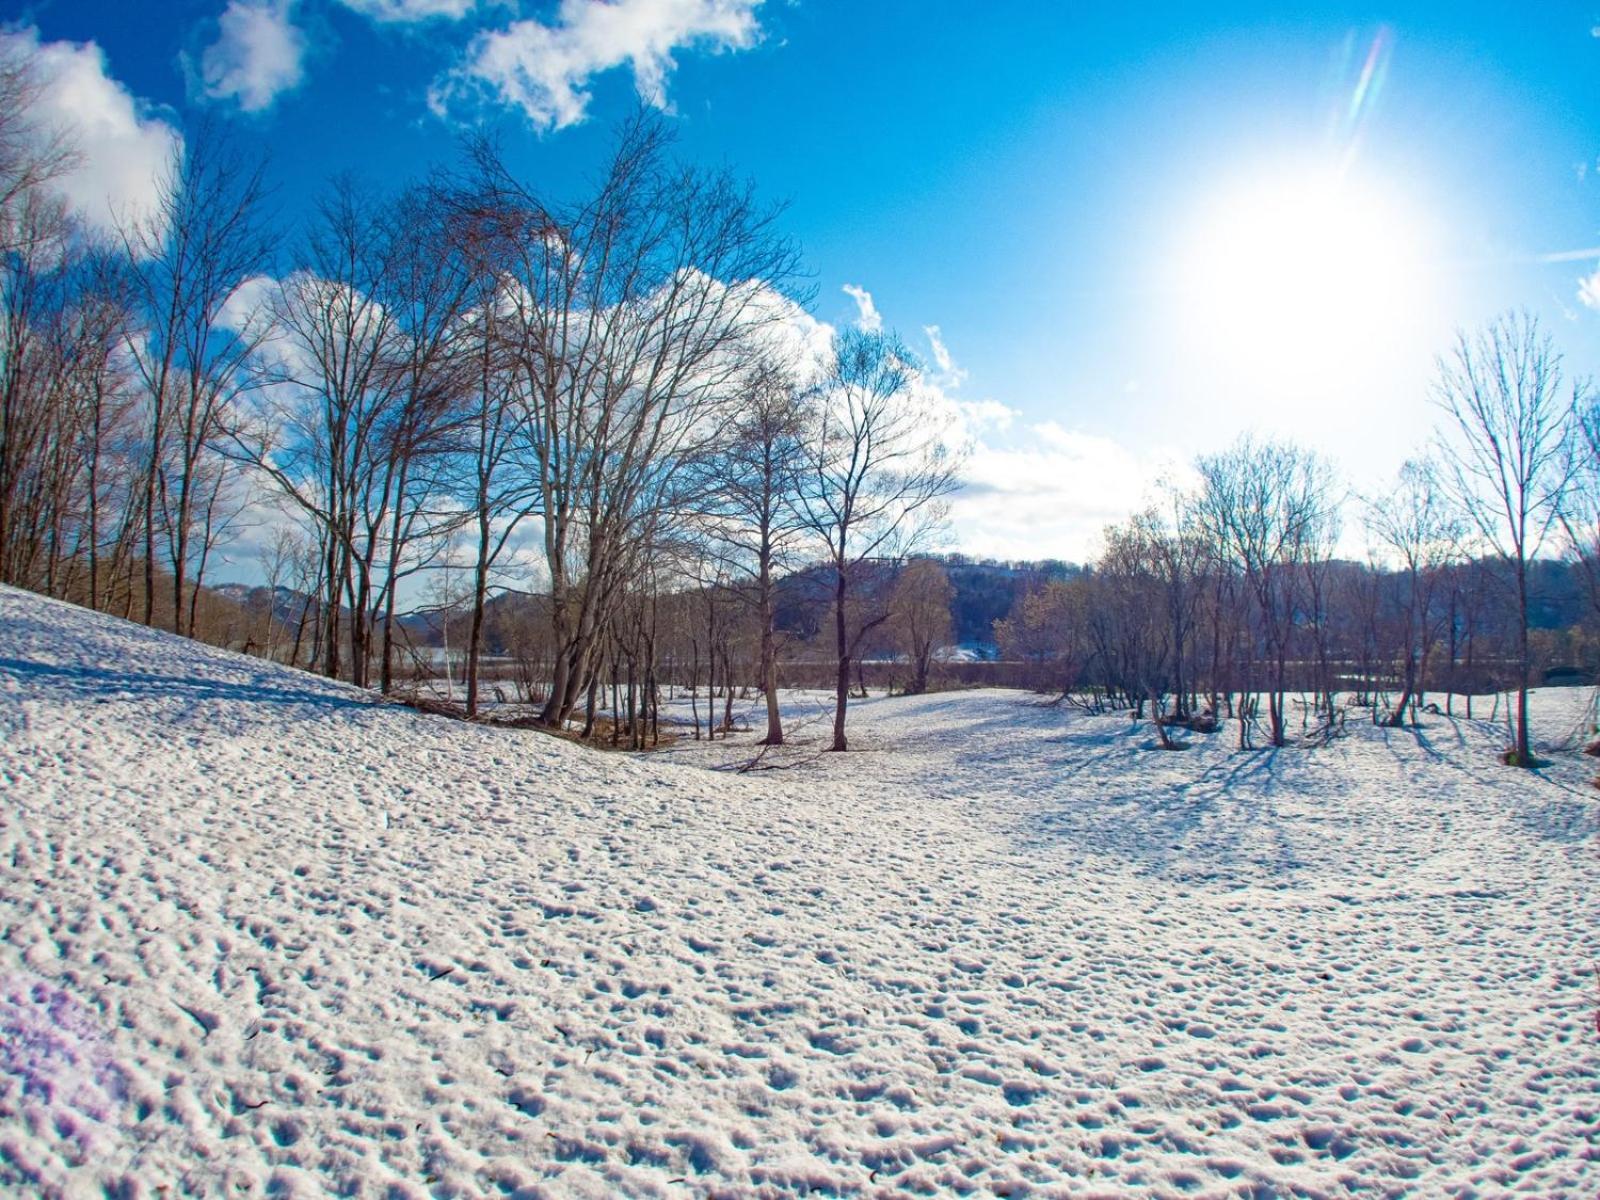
(1303, 270)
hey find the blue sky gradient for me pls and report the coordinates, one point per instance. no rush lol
(1030, 179)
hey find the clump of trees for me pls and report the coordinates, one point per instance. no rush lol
(1229, 601)
(600, 398)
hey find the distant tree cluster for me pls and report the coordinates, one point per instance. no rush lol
(1229, 601)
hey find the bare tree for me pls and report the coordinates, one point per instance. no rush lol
(752, 496)
(1506, 461)
(1043, 630)
(359, 399)
(878, 474)
(1137, 641)
(633, 313)
(110, 419)
(34, 367)
(429, 287)
(1580, 514)
(203, 239)
(919, 616)
(1178, 560)
(324, 394)
(1414, 527)
(35, 234)
(1267, 506)
(32, 154)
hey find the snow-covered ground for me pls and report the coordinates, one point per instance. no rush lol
(266, 936)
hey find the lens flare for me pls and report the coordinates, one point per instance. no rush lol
(1357, 82)
(1301, 269)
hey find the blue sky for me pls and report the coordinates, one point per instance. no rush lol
(1102, 209)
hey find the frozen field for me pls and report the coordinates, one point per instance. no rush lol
(265, 936)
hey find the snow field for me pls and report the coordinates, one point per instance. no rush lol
(265, 936)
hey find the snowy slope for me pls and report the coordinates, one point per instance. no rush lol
(266, 936)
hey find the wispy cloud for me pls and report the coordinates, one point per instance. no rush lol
(867, 315)
(405, 12)
(1563, 256)
(545, 69)
(1589, 290)
(258, 55)
(953, 375)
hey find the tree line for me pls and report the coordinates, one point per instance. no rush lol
(1230, 599)
(614, 392)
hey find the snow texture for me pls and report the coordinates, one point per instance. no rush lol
(265, 935)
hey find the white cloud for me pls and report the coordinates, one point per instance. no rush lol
(247, 301)
(952, 375)
(407, 11)
(545, 69)
(1051, 494)
(121, 151)
(1589, 290)
(258, 54)
(791, 334)
(984, 415)
(967, 422)
(867, 315)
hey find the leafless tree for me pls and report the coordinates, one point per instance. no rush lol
(1580, 512)
(751, 499)
(1412, 525)
(919, 616)
(358, 397)
(35, 234)
(1266, 506)
(634, 312)
(32, 153)
(430, 288)
(203, 239)
(498, 488)
(323, 396)
(33, 370)
(1044, 629)
(1506, 460)
(878, 474)
(1178, 560)
(1136, 640)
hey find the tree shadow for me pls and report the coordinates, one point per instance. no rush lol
(1571, 815)
(1222, 825)
(1560, 820)
(101, 684)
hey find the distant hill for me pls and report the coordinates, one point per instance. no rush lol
(985, 590)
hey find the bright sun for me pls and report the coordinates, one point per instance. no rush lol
(1302, 270)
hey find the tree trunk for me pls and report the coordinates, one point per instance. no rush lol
(633, 708)
(616, 703)
(694, 690)
(588, 706)
(769, 656)
(1397, 716)
(1524, 752)
(841, 690)
(480, 592)
(1156, 719)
